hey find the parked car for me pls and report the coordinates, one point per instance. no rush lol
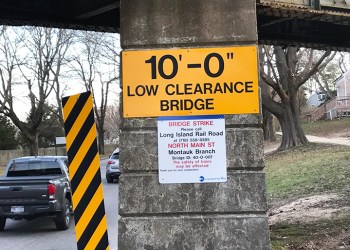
(36, 186)
(112, 168)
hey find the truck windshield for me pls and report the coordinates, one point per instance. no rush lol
(34, 168)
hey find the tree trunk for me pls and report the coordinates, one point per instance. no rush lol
(269, 130)
(292, 132)
(33, 145)
(286, 80)
(101, 142)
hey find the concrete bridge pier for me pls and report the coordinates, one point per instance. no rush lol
(210, 216)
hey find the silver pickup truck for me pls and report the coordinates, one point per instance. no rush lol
(36, 186)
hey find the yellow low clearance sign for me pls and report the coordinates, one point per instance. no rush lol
(198, 81)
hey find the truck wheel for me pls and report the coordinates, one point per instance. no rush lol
(62, 220)
(2, 223)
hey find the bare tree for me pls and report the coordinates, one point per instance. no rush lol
(268, 126)
(325, 78)
(96, 67)
(7, 65)
(343, 63)
(34, 53)
(286, 80)
(113, 122)
(66, 38)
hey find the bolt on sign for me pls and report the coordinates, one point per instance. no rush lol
(197, 81)
(84, 171)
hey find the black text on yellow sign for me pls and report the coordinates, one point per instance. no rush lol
(84, 170)
(180, 82)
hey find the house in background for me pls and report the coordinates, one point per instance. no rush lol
(339, 106)
(343, 91)
(315, 100)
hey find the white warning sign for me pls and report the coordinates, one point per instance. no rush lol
(192, 149)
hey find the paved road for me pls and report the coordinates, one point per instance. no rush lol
(40, 234)
(338, 141)
(317, 139)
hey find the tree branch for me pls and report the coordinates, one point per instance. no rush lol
(307, 74)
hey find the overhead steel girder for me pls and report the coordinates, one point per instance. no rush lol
(98, 15)
(279, 22)
(288, 25)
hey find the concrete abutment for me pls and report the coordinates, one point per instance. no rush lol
(210, 216)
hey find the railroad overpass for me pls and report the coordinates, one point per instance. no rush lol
(225, 214)
(309, 23)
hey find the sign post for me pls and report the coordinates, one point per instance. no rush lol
(85, 173)
(59, 141)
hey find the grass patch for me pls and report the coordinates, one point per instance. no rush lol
(307, 170)
(2, 169)
(326, 127)
(309, 236)
(304, 171)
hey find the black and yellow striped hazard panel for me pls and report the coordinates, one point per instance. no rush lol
(84, 170)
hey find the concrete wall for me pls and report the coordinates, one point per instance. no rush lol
(230, 215)
(6, 155)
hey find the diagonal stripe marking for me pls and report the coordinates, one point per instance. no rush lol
(84, 165)
(64, 101)
(87, 197)
(80, 120)
(89, 212)
(97, 236)
(103, 244)
(82, 99)
(90, 138)
(85, 181)
(90, 229)
(69, 105)
(80, 137)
